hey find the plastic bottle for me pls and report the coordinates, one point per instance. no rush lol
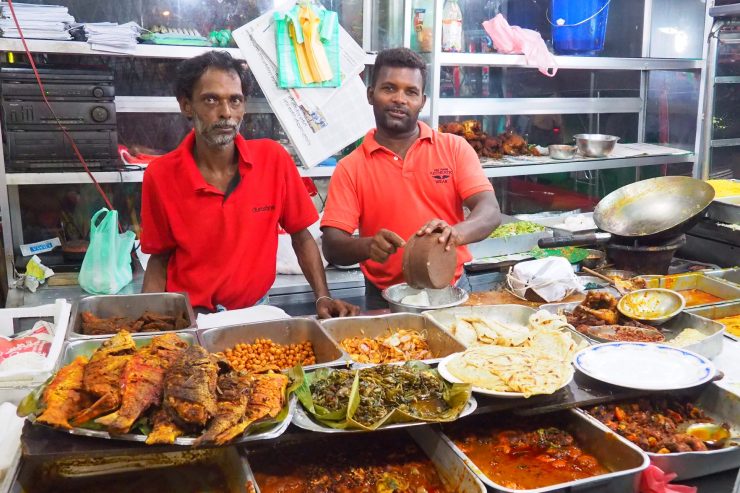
(422, 27)
(452, 32)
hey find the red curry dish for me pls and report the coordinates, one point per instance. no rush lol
(394, 464)
(526, 457)
(656, 425)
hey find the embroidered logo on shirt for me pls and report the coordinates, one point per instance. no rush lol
(441, 175)
(264, 208)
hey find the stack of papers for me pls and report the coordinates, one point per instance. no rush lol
(36, 21)
(111, 36)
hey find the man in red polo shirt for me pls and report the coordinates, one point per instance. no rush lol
(211, 208)
(404, 179)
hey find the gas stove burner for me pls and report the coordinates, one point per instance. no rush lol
(644, 259)
(641, 242)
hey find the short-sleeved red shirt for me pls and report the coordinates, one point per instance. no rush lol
(375, 189)
(223, 251)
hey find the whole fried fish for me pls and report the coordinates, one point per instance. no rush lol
(247, 399)
(143, 381)
(102, 377)
(63, 397)
(164, 430)
(190, 387)
(232, 396)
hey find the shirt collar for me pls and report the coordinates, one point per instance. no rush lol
(371, 145)
(190, 168)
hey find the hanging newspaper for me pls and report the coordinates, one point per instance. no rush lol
(319, 121)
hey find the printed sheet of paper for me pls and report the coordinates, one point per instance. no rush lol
(318, 121)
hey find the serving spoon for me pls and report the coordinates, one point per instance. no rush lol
(713, 435)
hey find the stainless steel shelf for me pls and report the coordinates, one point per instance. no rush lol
(141, 50)
(727, 79)
(129, 176)
(585, 164)
(570, 62)
(165, 104)
(536, 106)
(326, 171)
(134, 176)
(725, 142)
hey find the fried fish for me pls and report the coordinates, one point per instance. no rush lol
(190, 387)
(102, 376)
(143, 381)
(64, 397)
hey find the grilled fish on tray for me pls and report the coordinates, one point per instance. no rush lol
(165, 389)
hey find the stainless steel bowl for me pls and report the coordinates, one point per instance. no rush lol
(562, 151)
(595, 145)
(439, 298)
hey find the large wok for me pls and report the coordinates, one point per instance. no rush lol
(648, 210)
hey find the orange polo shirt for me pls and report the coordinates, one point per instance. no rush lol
(373, 189)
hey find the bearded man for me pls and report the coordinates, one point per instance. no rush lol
(211, 208)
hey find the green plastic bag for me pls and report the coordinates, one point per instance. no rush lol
(106, 268)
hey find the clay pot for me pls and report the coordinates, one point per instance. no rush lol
(426, 263)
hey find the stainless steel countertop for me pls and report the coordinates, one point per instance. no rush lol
(284, 285)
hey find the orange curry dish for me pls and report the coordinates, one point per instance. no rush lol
(527, 458)
(365, 466)
(695, 297)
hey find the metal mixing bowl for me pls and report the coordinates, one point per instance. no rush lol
(595, 145)
(656, 305)
(562, 151)
(439, 298)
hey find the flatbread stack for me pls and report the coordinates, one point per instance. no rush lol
(476, 331)
(541, 364)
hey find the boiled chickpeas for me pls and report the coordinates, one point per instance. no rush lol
(265, 354)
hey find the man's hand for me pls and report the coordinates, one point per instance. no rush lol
(384, 244)
(329, 308)
(450, 236)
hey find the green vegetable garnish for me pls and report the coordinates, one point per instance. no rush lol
(517, 228)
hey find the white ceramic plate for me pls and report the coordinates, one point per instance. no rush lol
(444, 373)
(644, 366)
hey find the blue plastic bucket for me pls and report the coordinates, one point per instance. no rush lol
(578, 26)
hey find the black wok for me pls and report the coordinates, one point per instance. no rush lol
(648, 210)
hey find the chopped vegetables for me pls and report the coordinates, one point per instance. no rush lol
(516, 228)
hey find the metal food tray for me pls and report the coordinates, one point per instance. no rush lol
(709, 347)
(85, 347)
(722, 406)
(728, 275)
(450, 468)
(553, 222)
(719, 311)
(494, 247)
(304, 420)
(131, 306)
(711, 285)
(283, 331)
(518, 314)
(441, 344)
(625, 460)
(725, 209)
(66, 471)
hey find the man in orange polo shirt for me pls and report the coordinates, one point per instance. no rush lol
(404, 179)
(211, 208)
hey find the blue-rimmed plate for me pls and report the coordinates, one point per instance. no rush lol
(644, 366)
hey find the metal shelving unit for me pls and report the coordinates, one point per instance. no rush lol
(721, 36)
(435, 108)
(541, 106)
